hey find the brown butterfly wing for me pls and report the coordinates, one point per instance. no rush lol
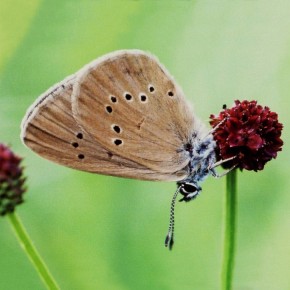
(50, 130)
(130, 105)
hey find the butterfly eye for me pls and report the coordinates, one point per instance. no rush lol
(189, 188)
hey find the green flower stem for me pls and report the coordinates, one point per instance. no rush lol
(30, 250)
(229, 230)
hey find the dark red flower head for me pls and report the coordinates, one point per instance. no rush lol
(11, 180)
(248, 131)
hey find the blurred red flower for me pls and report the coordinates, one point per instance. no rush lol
(11, 180)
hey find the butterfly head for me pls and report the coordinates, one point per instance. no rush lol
(189, 190)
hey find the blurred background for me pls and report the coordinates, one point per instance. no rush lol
(100, 232)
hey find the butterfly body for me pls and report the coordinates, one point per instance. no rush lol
(203, 157)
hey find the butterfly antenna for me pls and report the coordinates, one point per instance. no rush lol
(169, 241)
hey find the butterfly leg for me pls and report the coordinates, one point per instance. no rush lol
(217, 175)
(216, 164)
(216, 126)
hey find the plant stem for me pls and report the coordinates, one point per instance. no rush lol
(27, 245)
(229, 230)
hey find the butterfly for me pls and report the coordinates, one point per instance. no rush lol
(123, 115)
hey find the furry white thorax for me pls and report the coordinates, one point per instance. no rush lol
(203, 157)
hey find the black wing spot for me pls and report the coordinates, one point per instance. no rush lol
(110, 155)
(81, 156)
(151, 89)
(75, 144)
(128, 97)
(116, 128)
(143, 98)
(80, 136)
(118, 142)
(113, 99)
(109, 109)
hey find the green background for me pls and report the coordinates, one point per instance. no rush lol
(100, 232)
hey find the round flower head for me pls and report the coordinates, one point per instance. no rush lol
(11, 180)
(249, 132)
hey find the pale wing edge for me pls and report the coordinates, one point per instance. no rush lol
(40, 101)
